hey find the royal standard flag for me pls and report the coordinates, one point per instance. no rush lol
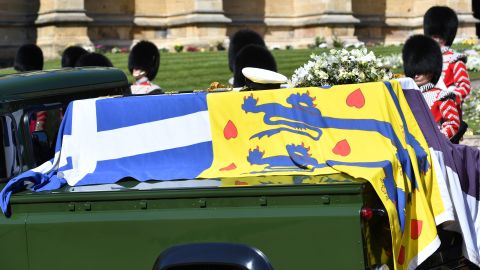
(364, 130)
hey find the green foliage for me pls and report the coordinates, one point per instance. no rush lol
(178, 48)
(471, 111)
(219, 46)
(318, 41)
(337, 43)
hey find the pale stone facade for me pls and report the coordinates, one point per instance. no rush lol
(55, 24)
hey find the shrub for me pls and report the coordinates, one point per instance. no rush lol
(319, 41)
(115, 50)
(337, 43)
(192, 49)
(219, 45)
(178, 48)
(99, 48)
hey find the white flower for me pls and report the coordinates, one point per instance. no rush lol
(392, 61)
(473, 63)
(340, 67)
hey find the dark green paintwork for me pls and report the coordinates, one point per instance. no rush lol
(303, 226)
(36, 88)
(297, 227)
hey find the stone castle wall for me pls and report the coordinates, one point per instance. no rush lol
(55, 24)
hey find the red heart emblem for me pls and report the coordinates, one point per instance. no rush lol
(415, 228)
(356, 99)
(230, 130)
(230, 167)
(342, 148)
(401, 255)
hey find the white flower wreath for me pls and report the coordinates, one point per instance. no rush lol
(340, 67)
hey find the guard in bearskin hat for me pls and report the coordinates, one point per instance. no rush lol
(441, 23)
(71, 54)
(143, 63)
(422, 61)
(239, 40)
(252, 55)
(29, 58)
(93, 60)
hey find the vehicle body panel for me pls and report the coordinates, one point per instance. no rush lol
(296, 227)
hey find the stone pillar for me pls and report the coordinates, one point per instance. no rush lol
(61, 23)
(150, 21)
(186, 22)
(252, 14)
(112, 22)
(467, 21)
(279, 23)
(371, 14)
(405, 17)
(324, 18)
(16, 27)
(210, 20)
(293, 22)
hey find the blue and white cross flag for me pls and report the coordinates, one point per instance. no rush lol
(106, 139)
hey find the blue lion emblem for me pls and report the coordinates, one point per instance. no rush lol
(290, 117)
(303, 118)
(298, 159)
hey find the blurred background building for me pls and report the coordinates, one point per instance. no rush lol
(55, 24)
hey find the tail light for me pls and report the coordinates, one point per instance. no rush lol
(367, 213)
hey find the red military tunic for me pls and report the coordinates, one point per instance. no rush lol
(455, 75)
(443, 107)
(37, 123)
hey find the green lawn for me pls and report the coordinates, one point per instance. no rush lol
(187, 71)
(190, 71)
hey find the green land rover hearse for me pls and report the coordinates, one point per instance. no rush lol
(337, 224)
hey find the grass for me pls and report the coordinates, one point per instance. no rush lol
(188, 71)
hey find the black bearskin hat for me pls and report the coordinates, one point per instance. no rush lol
(71, 54)
(239, 40)
(29, 58)
(145, 56)
(252, 55)
(422, 55)
(93, 60)
(442, 22)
